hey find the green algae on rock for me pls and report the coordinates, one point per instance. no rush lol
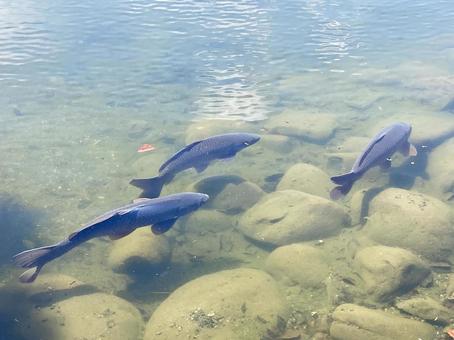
(298, 264)
(290, 216)
(387, 272)
(411, 220)
(306, 178)
(232, 304)
(139, 251)
(353, 322)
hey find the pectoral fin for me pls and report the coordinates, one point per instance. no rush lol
(201, 167)
(119, 235)
(408, 149)
(412, 151)
(162, 227)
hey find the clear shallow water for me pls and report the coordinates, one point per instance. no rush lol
(84, 84)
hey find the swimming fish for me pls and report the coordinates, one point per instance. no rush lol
(161, 213)
(378, 152)
(197, 155)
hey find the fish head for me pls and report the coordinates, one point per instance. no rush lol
(246, 139)
(190, 202)
(405, 128)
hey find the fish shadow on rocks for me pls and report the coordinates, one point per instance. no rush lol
(45, 299)
(404, 175)
(150, 288)
(17, 307)
(16, 225)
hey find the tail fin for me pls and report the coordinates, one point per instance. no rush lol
(151, 186)
(345, 184)
(34, 259)
(345, 178)
(30, 275)
(340, 191)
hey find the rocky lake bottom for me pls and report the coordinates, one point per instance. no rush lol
(270, 256)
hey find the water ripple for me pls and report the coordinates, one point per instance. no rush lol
(223, 55)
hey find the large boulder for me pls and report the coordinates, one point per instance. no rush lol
(231, 304)
(440, 167)
(353, 322)
(307, 178)
(411, 220)
(139, 251)
(289, 216)
(298, 264)
(61, 307)
(387, 272)
(428, 309)
(317, 128)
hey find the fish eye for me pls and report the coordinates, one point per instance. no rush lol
(246, 143)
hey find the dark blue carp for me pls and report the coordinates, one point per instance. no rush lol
(161, 213)
(197, 155)
(377, 153)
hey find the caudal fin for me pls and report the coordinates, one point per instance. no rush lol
(30, 275)
(34, 259)
(340, 191)
(345, 184)
(346, 178)
(151, 186)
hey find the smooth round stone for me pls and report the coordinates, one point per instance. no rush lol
(290, 216)
(231, 304)
(411, 220)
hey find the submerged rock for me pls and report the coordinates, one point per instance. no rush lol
(317, 128)
(289, 216)
(61, 307)
(388, 272)
(353, 322)
(207, 221)
(276, 143)
(209, 127)
(232, 304)
(298, 264)
(411, 220)
(427, 309)
(236, 198)
(306, 178)
(440, 168)
(230, 194)
(139, 251)
(427, 129)
(450, 288)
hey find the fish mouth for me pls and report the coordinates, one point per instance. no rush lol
(204, 198)
(254, 139)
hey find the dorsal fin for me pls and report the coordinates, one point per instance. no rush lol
(369, 149)
(178, 154)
